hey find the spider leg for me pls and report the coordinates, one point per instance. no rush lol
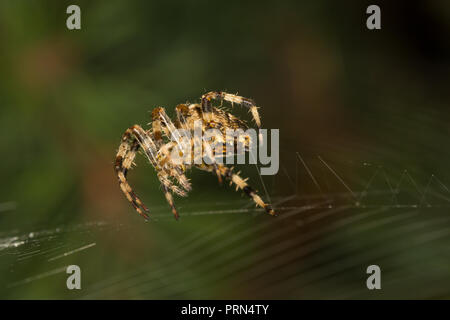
(241, 184)
(124, 161)
(163, 178)
(181, 178)
(156, 128)
(246, 102)
(169, 199)
(176, 171)
(162, 124)
(182, 112)
(210, 153)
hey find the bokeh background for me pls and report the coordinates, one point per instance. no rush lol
(371, 105)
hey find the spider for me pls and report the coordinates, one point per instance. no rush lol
(157, 142)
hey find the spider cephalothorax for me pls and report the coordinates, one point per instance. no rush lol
(158, 143)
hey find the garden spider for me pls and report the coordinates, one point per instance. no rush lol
(157, 143)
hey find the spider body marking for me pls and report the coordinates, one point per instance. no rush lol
(158, 142)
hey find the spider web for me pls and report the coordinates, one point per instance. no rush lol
(331, 226)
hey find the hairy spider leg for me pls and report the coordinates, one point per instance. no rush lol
(183, 116)
(210, 153)
(124, 161)
(169, 199)
(240, 184)
(178, 174)
(207, 110)
(165, 163)
(246, 102)
(156, 127)
(163, 178)
(182, 112)
(161, 121)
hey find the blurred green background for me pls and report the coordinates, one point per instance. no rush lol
(361, 100)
